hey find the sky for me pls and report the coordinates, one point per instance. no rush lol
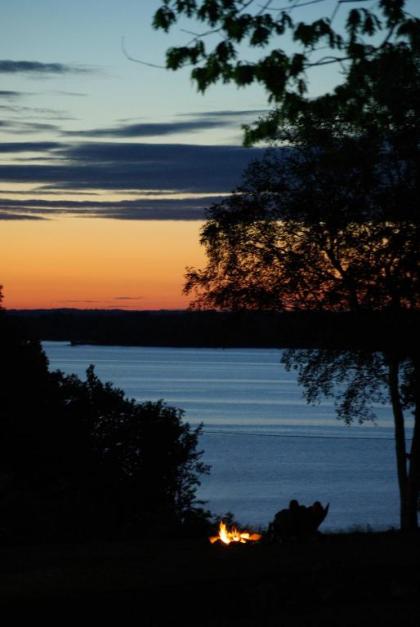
(107, 165)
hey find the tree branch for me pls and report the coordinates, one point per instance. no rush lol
(299, 5)
(130, 58)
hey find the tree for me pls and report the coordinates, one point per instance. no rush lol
(366, 43)
(145, 450)
(80, 460)
(334, 226)
(316, 228)
(358, 378)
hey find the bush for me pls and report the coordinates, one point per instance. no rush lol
(79, 460)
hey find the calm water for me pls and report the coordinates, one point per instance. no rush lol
(265, 445)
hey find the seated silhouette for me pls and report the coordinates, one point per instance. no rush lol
(297, 521)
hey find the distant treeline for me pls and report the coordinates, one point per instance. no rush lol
(219, 329)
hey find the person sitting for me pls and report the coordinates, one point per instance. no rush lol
(297, 521)
(318, 514)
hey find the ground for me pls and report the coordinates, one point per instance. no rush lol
(340, 579)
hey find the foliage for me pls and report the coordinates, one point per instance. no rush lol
(80, 460)
(147, 448)
(367, 43)
(330, 224)
(316, 227)
(356, 380)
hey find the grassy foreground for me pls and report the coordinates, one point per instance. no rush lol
(341, 579)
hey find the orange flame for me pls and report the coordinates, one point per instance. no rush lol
(234, 535)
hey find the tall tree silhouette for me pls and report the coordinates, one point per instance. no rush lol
(330, 225)
(332, 222)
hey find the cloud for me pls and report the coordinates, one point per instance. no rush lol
(45, 191)
(150, 129)
(7, 147)
(196, 122)
(127, 298)
(42, 112)
(22, 128)
(81, 300)
(8, 66)
(10, 108)
(10, 95)
(117, 166)
(18, 216)
(195, 177)
(74, 94)
(98, 304)
(136, 209)
(226, 113)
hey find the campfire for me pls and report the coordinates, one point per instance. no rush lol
(227, 536)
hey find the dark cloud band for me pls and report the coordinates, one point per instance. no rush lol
(7, 66)
(11, 147)
(179, 167)
(4, 93)
(137, 167)
(149, 130)
(138, 209)
(197, 122)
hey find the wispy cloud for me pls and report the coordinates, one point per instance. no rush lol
(73, 94)
(8, 66)
(93, 301)
(225, 113)
(11, 95)
(18, 216)
(128, 298)
(11, 147)
(17, 127)
(81, 300)
(137, 209)
(38, 112)
(148, 181)
(180, 167)
(196, 122)
(149, 129)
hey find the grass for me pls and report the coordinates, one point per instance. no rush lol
(337, 579)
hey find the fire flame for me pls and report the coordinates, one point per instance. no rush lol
(234, 535)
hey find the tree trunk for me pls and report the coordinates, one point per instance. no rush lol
(413, 483)
(393, 383)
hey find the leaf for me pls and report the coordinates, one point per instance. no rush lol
(209, 12)
(225, 51)
(163, 19)
(177, 57)
(244, 74)
(187, 7)
(237, 27)
(297, 64)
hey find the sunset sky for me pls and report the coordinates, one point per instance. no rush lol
(106, 165)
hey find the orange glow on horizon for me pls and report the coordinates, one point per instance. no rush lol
(93, 263)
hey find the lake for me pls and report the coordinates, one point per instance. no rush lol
(264, 443)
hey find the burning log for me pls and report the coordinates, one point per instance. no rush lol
(227, 536)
